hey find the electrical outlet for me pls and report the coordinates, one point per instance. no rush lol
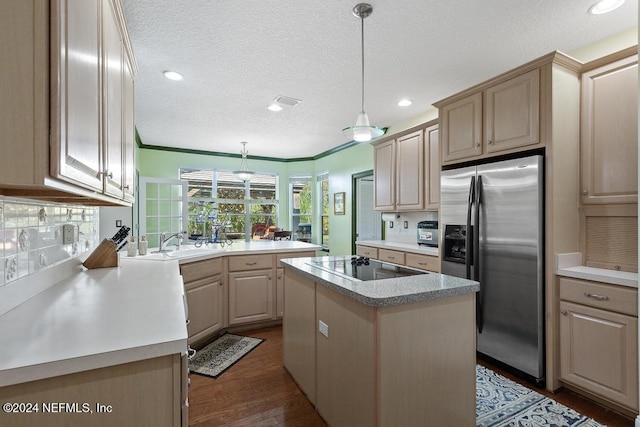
(323, 328)
(390, 224)
(406, 224)
(69, 234)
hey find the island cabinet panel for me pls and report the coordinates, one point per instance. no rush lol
(299, 332)
(144, 393)
(426, 363)
(345, 368)
(280, 278)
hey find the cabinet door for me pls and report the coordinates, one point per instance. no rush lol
(512, 114)
(113, 55)
(609, 133)
(384, 170)
(410, 172)
(205, 301)
(250, 296)
(461, 126)
(279, 292)
(128, 136)
(76, 109)
(432, 167)
(599, 352)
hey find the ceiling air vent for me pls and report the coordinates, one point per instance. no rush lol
(283, 101)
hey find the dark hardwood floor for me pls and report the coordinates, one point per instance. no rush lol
(257, 391)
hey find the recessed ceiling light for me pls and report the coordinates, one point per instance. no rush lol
(405, 102)
(605, 6)
(274, 107)
(173, 75)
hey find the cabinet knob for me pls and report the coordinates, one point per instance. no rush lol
(585, 192)
(563, 312)
(490, 142)
(126, 187)
(477, 144)
(107, 174)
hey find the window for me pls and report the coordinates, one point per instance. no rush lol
(219, 200)
(301, 203)
(161, 208)
(323, 185)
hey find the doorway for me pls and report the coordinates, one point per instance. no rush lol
(367, 223)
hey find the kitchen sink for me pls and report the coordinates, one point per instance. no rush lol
(189, 252)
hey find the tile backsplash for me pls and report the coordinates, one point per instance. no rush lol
(31, 235)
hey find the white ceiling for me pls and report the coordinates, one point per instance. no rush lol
(238, 55)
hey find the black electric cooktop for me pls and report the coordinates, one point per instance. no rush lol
(364, 269)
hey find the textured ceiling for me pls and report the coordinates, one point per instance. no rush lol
(238, 55)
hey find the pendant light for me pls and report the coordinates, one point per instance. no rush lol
(362, 131)
(244, 173)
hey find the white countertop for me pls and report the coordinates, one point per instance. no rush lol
(189, 253)
(399, 246)
(383, 292)
(93, 319)
(568, 265)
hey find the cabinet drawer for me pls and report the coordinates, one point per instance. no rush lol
(395, 257)
(293, 255)
(366, 251)
(200, 269)
(423, 262)
(250, 262)
(600, 295)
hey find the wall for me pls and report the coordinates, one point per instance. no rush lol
(340, 165)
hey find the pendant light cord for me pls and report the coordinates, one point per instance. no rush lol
(362, 46)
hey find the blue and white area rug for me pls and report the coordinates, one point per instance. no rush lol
(221, 354)
(502, 402)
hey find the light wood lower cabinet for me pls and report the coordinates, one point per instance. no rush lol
(205, 299)
(598, 341)
(410, 259)
(204, 287)
(251, 296)
(143, 393)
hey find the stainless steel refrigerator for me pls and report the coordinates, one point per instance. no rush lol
(492, 220)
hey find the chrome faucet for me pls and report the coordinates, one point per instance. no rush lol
(179, 235)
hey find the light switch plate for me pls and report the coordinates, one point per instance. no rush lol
(323, 328)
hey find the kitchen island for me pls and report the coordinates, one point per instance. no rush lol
(382, 352)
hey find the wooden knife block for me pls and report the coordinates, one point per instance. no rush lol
(104, 255)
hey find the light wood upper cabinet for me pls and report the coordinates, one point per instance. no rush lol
(113, 68)
(68, 101)
(407, 172)
(76, 152)
(609, 133)
(410, 172)
(432, 172)
(505, 116)
(384, 170)
(511, 113)
(129, 135)
(461, 127)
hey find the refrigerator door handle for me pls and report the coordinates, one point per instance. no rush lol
(476, 255)
(468, 236)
